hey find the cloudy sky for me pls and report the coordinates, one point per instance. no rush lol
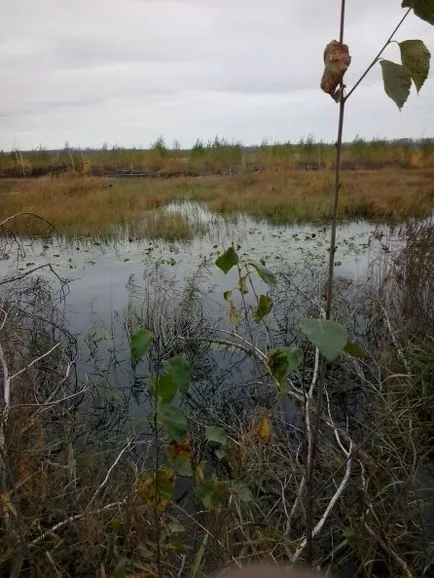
(126, 71)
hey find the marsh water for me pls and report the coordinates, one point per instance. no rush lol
(110, 287)
(107, 288)
(108, 280)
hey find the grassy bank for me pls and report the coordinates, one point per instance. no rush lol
(80, 205)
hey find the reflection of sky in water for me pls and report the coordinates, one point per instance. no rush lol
(99, 272)
(105, 277)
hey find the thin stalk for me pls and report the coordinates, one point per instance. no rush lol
(310, 466)
(374, 62)
(157, 495)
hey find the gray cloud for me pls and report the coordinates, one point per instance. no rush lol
(93, 71)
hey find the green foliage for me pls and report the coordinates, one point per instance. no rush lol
(242, 491)
(166, 388)
(327, 335)
(156, 487)
(354, 350)
(397, 81)
(265, 274)
(179, 369)
(181, 464)
(140, 342)
(422, 8)
(216, 434)
(212, 493)
(176, 377)
(173, 421)
(265, 305)
(282, 361)
(415, 57)
(227, 260)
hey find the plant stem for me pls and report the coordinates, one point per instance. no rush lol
(310, 466)
(332, 249)
(157, 494)
(374, 62)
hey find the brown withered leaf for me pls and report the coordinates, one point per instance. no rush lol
(336, 62)
(182, 449)
(264, 430)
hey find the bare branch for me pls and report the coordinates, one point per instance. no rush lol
(74, 518)
(327, 511)
(112, 467)
(32, 363)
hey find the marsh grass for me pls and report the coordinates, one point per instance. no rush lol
(218, 156)
(90, 206)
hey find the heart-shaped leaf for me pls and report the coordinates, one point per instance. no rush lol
(282, 361)
(227, 260)
(216, 434)
(416, 58)
(173, 421)
(328, 336)
(179, 369)
(422, 8)
(397, 82)
(140, 342)
(265, 274)
(265, 305)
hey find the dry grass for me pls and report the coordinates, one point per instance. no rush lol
(91, 206)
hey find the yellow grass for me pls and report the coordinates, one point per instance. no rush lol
(91, 206)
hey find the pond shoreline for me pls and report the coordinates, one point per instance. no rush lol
(83, 206)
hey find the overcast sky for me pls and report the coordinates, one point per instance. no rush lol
(126, 71)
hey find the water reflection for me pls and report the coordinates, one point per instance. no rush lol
(176, 290)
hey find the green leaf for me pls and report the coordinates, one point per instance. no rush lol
(173, 421)
(227, 260)
(282, 361)
(242, 491)
(140, 342)
(179, 369)
(265, 305)
(416, 57)
(422, 8)
(175, 528)
(166, 388)
(397, 82)
(266, 275)
(156, 488)
(212, 492)
(328, 336)
(182, 465)
(354, 350)
(216, 434)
